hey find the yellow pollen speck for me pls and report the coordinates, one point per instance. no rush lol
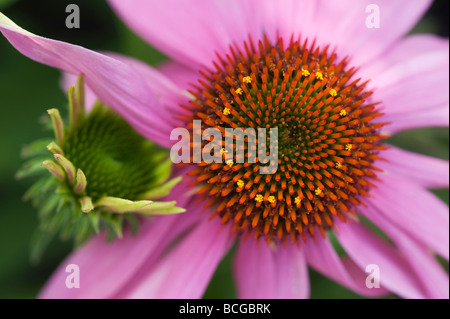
(230, 162)
(319, 75)
(223, 151)
(297, 200)
(348, 147)
(226, 111)
(338, 165)
(343, 113)
(259, 198)
(239, 91)
(333, 92)
(305, 72)
(271, 199)
(240, 183)
(247, 79)
(318, 191)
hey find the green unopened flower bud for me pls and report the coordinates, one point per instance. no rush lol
(103, 173)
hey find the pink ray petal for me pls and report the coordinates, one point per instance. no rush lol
(412, 82)
(433, 117)
(255, 270)
(180, 74)
(194, 31)
(186, 270)
(168, 94)
(105, 268)
(321, 255)
(424, 170)
(432, 275)
(415, 210)
(365, 248)
(263, 271)
(189, 31)
(350, 34)
(291, 18)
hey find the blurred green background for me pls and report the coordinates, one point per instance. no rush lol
(27, 89)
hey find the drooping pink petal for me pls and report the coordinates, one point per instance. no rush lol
(432, 275)
(424, 170)
(414, 210)
(365, 248)
(115, 83)
(263, 271)
(189, 31)
(169, 94)
(186, 270)
(107, 268)
(321, 255)
(412, 82)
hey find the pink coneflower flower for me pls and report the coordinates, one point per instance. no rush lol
(335, 89)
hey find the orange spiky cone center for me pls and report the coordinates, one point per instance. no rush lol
(328, 140)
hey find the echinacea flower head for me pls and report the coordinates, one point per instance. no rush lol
(334, 89)
(103, 174)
